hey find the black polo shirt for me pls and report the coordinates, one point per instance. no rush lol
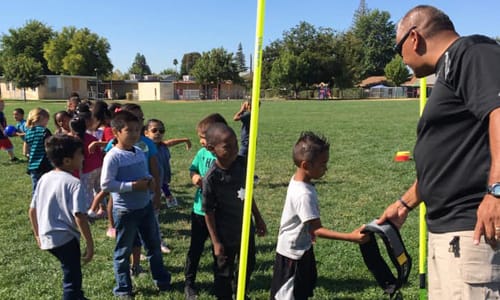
(452, 153)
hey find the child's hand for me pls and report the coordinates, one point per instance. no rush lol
(143, 184)
(188, 144)
(260, 227)
(37, 238)
(92, 147)
(358, 237)
(218, 249)
(88, 254)
(197, 180)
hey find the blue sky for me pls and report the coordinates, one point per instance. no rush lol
(164, 30)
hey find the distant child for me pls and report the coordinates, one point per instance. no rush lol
(243, 115)
(57, 213)
(34, 144)
(61, 121)
(295, 266)
(18, 115)
(201, 163)
(223, 197)
(5, 142)
(125, 175)
(155, 130)
(72, 103)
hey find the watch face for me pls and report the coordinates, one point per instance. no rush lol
(495, 190)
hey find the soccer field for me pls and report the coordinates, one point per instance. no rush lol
(362, 179)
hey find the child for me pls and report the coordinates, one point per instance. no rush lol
(5, 142)
(223, 196)
(295, 266)
(18, 115)
(57, 213)
(61, 121)
(201, 163)
(34, 144)
(72, 103)
(243, 115)
(125, 175)
(154, 130)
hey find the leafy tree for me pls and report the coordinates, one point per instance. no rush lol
(169, 71)
(188, 61)
(286, 72)
(140, 66)
(396, 71)
(27, 41)
(78, 52)
(240, 59)
(269, 54)
(24, 71)
(175, 62)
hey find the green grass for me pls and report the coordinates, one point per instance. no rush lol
(362, 179)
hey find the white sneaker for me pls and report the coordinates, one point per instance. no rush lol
(172, 202)
(92, 214)
(164, 248)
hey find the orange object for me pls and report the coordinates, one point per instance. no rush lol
(402, 156)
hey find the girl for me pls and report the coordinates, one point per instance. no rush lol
(61, 120)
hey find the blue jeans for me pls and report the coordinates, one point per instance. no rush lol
(129, 222)
(69, 256)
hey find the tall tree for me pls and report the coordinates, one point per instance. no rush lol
(140, 66)
(24, 71)
(287, 72)
(396, 71)
(188, 61)
(27, 41)
(240, 59)
(78, 52)
(175, 62)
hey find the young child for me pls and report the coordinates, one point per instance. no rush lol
(34, 144)
(72, 103)
(57, 213)
(295, 266)
(201, 163)
(243, 115)
(18, 115)
(125, 175)
(5, 142)
(61, 121)
(155, 130)
(223, 196)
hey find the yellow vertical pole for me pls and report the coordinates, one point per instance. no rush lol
(254, 120)
(422, 225)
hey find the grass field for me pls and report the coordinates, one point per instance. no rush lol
(362, 179)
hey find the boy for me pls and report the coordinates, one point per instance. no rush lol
(5, 142)
(18, 115)
(223, 196)
(125, 175)
(243, 115)
(201, 163)
(57, 212)
(295, 266)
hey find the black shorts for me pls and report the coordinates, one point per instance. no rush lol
(294, 277)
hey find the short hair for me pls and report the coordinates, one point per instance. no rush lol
(59, 147)
(60, 114)
(19, 111)
(122, 118)
(206, 122)
(428, 19)
(131, 107)
(153, 120)
(78, 126)
(308, 147)
(215, 131)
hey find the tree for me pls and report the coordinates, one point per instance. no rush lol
(140, 66)
(396, 71)
(78, 52)
(286, 72)
(239, 59)
(27, 41)
(188, 61)
(176, 62)
(24, 71)
(169, 71)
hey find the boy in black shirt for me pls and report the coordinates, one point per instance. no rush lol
(223, 196)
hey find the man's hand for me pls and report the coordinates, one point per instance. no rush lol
(396, 213)
(488, 221)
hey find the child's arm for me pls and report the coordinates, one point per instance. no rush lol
(316, 229)
(96, 144)
(83, 225)
(34, 224)
(218, 247)
(243, 108)
(173, 142)
(153, 168)
(260, 225)
(196, 178)
(26, 149)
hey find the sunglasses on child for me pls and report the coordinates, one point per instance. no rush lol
(155, 130)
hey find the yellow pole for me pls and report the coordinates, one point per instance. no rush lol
(423, 226)
(254, 121)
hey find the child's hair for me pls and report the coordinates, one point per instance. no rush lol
(114, 108)
(75, 98)
(59, 147)
(78, 126)
(148, 122)
(35, 115)
(101, 113)
(19, 111)
(215, 131)
(308, 147)
(83, 108)
(122, 118)
(131, 107)
(59, 115)
(208, 121)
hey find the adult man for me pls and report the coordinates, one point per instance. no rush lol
(457, 155)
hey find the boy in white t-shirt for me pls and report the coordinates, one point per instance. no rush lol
(295, 266)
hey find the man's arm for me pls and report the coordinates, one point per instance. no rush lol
(398, 211)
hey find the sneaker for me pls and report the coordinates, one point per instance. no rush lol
(91, 214)
(164, 248)
(111, 233)
(190, 292)
(136, 270)
(172, 202)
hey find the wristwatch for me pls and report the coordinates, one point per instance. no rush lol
(494, 189)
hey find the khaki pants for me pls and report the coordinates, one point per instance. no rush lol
(462, 271)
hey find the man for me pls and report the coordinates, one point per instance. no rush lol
(457, 155)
